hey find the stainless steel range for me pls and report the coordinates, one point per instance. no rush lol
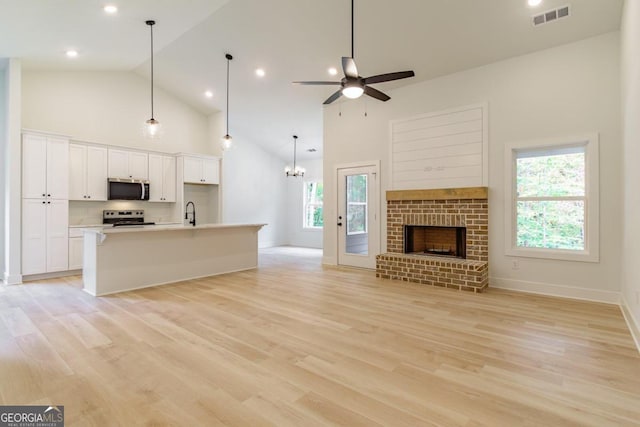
(124, 218)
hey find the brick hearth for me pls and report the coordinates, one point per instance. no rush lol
(459, 207)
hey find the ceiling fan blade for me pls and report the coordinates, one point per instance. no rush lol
(333, 97)
(349, 67)
(388, 77)
(375, 93)
(316, 83)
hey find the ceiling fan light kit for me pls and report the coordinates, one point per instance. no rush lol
(353, 85)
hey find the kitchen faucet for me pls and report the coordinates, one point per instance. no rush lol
(193, 213)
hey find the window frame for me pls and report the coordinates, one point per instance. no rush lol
(305, 205)
(591, 253)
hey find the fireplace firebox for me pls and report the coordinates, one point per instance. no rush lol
(431, 240)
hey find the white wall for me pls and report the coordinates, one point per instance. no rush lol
(254, 190)
(630, 89)
(110, 107)
(12, 172)
(297, 235)
(568, 90)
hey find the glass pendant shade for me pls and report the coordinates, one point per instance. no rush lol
(152, 129)
(226, 143)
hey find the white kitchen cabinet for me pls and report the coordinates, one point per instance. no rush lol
(45, 236)
(162, 178)
(45, 203)
(75, 252)
(45, 167)
(87, 172)
(128, 164)
(201, 170)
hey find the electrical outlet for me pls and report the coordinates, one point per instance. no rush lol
(515, 264)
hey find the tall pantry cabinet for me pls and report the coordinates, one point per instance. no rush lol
(45, 203)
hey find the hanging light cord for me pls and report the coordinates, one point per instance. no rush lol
(151, 24)
(295, 140)
(228, 61)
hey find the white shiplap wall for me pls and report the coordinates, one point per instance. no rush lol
(445, 149)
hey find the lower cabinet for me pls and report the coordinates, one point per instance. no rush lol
(75, 252)
(45, 236)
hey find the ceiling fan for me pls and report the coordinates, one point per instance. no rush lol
(353, 85)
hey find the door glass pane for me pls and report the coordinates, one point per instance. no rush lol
(357, 239)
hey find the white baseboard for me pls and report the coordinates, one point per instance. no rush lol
(632, 322)
(329, 260)
(12, 279)
(608, 297)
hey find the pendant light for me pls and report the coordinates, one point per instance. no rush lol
(296, 171)
(152, 128)
(227, 141)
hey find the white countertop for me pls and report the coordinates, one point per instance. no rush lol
(164, 227)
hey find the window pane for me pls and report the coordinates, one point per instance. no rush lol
(356, 188)
(551, 175)
(551, 224)
(313, 204)
(313, 216)
(356, 218)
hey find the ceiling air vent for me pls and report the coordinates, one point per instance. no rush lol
(550, 15)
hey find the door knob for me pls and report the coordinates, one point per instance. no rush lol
(339, 224)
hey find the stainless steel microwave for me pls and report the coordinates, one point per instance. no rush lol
(128, 189)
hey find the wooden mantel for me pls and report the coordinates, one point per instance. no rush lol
(440, 194)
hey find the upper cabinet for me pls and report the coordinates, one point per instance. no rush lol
(45, 167)
(87, 172)
(201, 170)
(162, 178)
(128, 164)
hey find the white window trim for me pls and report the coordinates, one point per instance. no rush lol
(305, 205)
(592, 220)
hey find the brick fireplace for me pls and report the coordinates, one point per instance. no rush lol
(425, 232)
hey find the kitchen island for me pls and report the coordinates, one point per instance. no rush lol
(126, 258)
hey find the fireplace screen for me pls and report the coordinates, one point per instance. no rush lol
(441, 241)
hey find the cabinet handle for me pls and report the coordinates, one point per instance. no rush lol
(84, 197)
(48, 195)
(49, 202)
(43, 194)
(88, 197)
(43, 202)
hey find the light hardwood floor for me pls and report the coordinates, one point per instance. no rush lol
(295, 344)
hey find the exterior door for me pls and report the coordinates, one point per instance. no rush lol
(358, 222)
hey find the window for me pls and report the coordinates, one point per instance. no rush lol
(357, 220)
(312, 204)
(552, 198)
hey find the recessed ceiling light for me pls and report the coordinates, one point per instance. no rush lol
(534, 3)
(208, 94)
(333, 71)
(71, 53)
(260, 72)
(111, 9)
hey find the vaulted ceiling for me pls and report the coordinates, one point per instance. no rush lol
(289, 39)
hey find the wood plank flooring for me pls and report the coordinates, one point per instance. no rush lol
(296, 344)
